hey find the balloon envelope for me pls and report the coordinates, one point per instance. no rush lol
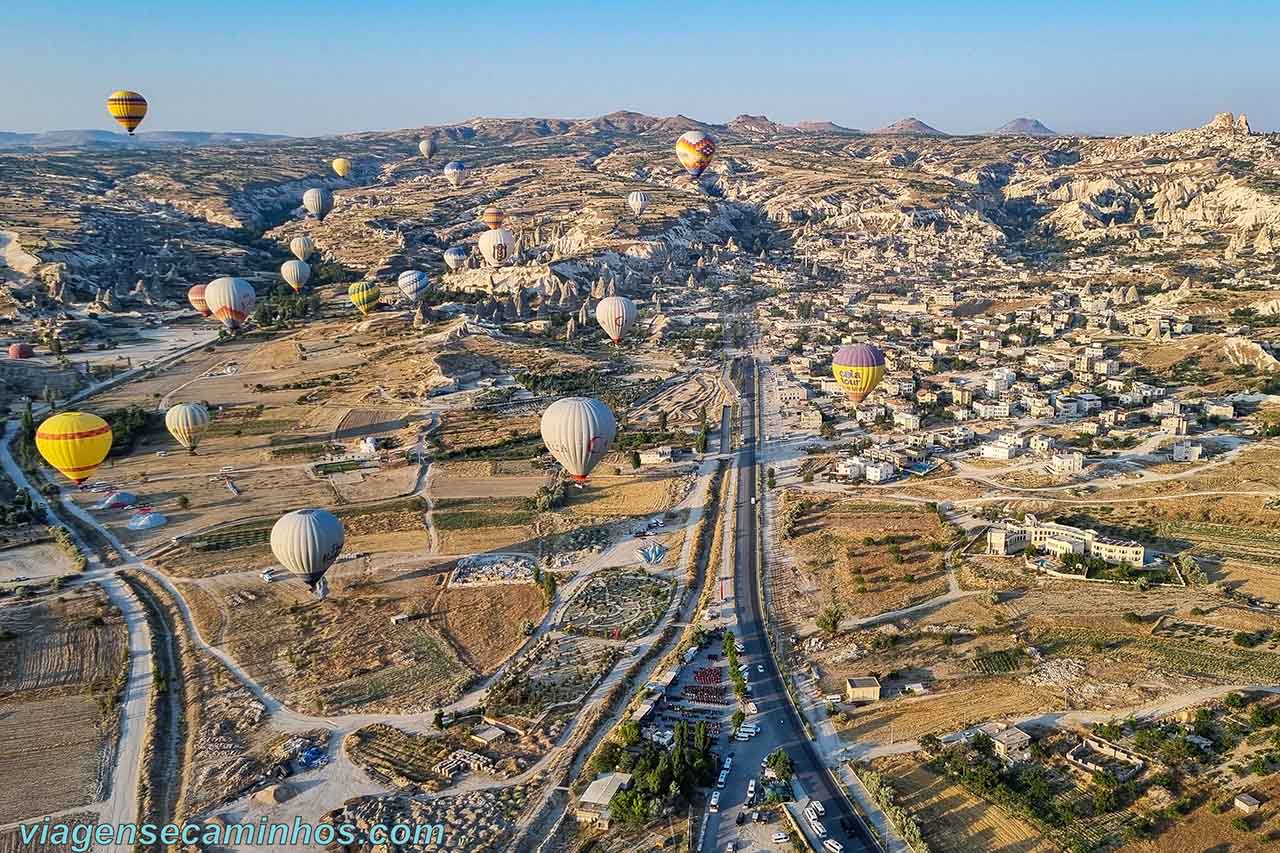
(638, 201)
(428, 147)
(578, 431)
(296, 274)
(858, 369)
(21, 350)
(75, 443)
(187, 422)
(230, 300)
(318, 201)
(364, 295)
(195, 295)
(616, 315)
(302, 247)
(455, 257)
(342, 166)
(307, 542)
(414, 284)
(127, 108)
(493, 217)
(497, 246)
(454, 173)
(695, 150)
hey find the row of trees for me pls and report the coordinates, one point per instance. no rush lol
(663, 778)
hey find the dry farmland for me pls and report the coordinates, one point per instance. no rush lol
(303, 650)
(11, 841)
(59, 672)
(870, 556)
(955, 820)
(626, 495)
(484, 623)
(477, 525)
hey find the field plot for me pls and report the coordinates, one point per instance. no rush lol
(61, 668)
(72, 643)
(682, 401)
(486, 624)
(559, 671)
(1193, 657)
(627, 495)
(619, 605)
(954, 819)
(476, 525)
(1204, 829)
(988, 698)
(341, 654)
(868, 556)
(41, 560)
(37, 736)
(11, 841)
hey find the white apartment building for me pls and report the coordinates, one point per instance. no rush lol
(1062, 539)
(1067, 464)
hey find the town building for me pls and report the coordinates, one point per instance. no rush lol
(593, 805)
(1061, 540)
(861, 689)
(1067, 464)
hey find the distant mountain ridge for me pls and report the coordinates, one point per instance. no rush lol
(823, 127)
(145, 139)
(910, 126)
(1023, 126)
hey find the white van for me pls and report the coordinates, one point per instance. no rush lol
(724, 777)
(818, 807)
(751, 790)
(833, 845)
(818, 829)
(780, 838)
(715, 801)
(810, 813)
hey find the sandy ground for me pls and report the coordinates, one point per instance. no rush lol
(44, 559)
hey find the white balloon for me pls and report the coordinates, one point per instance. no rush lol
(187, 422)
(578, 432)
(295, 273)
(318, 201)
(302, 247)
(306, 542)
(414, 284)
(230, 301)
(455, 173)
(616, 315)
(497, 246)
(455, 257)
(638, 201)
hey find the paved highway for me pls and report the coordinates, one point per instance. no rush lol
(780, 724)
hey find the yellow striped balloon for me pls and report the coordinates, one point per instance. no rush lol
(364, 295)
(75, 443)
(127, 108)
(695, 150)
(342, 166)
(493, 217)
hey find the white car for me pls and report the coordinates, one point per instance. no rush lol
(715, 801)
(780, 838)
(819, 808)
(833, 845)
(760, 668)
(818, 829)
(810, 814)
(728, 763)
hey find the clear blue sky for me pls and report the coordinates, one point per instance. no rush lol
(321, 67)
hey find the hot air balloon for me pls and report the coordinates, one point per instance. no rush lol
(858, 369)
(187, 422)
(364, 295)
(318, 201)
(230, 300)
(306, 542)
(695, 150)
(195, 295)
(414, 284)
(296, 274)
(21, 350)
(454, 173)
(493, 217)
(455, 257)
(616, 315)
(497, 246)
(75, 443)
(578, 431)
(302, 247)
(127, 108)
(428, 147)
(638, 201)
(342, 166)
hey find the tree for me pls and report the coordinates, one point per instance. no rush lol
(829, 619)
(549, 587)
(780, 763)
(737, 720)
(662, 421)
(629, 733)
(184, 502)
(634, 459)
(931, 744)
(437, 719)
(28, 423)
